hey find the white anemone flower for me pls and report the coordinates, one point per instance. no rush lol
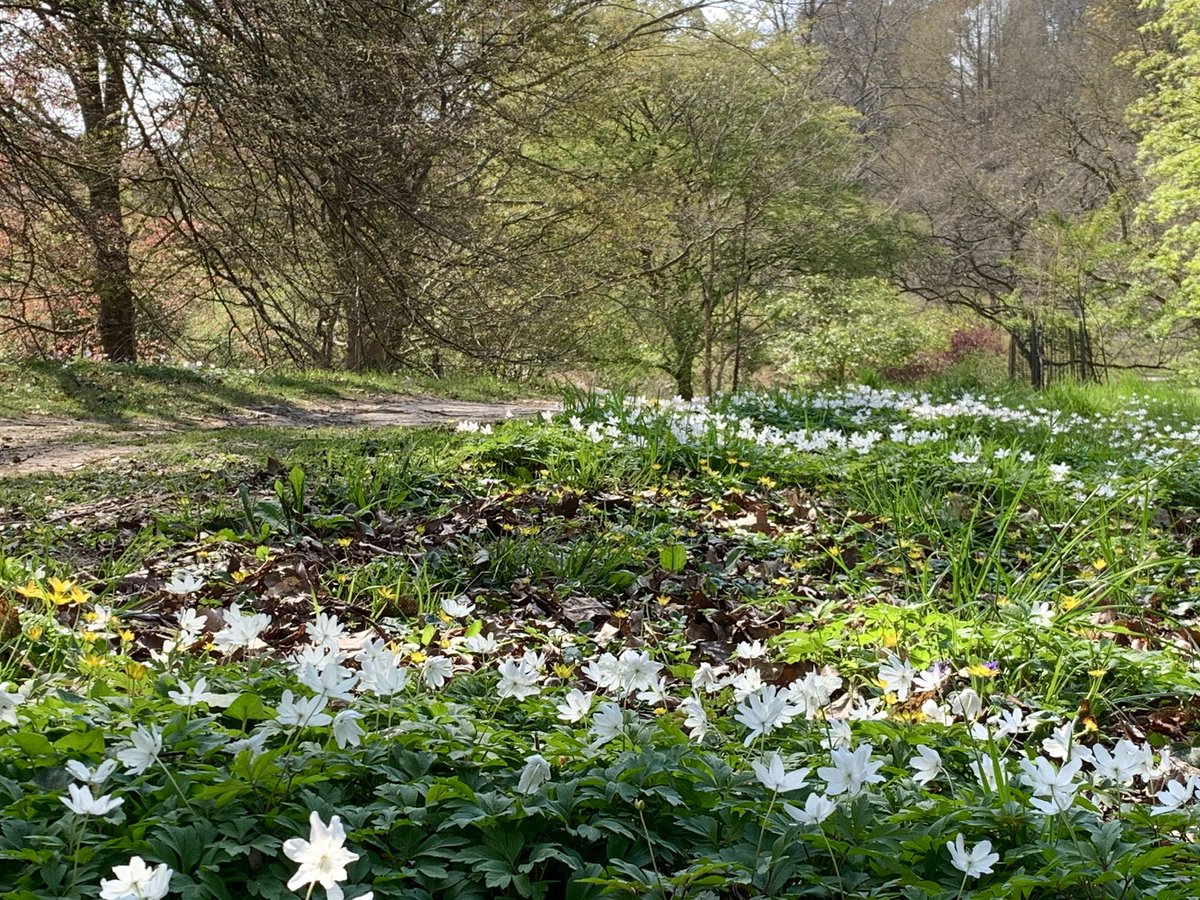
(974, 862)
(535, 773)
(137, 881)
(323, 857)
(817, 808)
(81, 802)
(146, 745)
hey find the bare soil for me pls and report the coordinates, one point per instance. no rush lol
(39, 445)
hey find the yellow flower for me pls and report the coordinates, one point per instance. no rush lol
(1002, 600)
(344, 542)
(127, 636)
(1069, 602)
(418, 657)
(562, 670)
(386, 593)
(1098, 673)
(1100, 564)
(92, 661)
(136, 671)
(660, 710)
(89, 636)
(981, 671)
(33, 590)
(890, 639)
(767, 482)
(621, 614)
(34, 632)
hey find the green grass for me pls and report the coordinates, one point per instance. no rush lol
(138, 394)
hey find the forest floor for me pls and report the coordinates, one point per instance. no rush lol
(54, 444)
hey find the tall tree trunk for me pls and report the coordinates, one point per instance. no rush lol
(112, 280)
(98, 77)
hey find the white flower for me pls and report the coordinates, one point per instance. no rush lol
(696, 719)
(147, 744)
(241, 630)
(926, 764)
(518, 678)
(1120, 765)
(814, 691)
(457, 607)
(200, 694)
(1174, 797)
(985, 770)
(604, 670)
(346, 730)
(933, 678)
(936, 714)
(1041, 614)
(183, 582)
(1062, 745)
(137, 881)
(1009, 722)
(96, 776)
(383, 676)
(777, 779)
(1057, 785)
(325, 631)
(750, 650)
(575, 706)
(838, 734)
(333, 682)
(637, 672)
(9, 701)
(436, 671)
(82, 803)
(607, 723)
(322, 858)
(708, 678)
(191, 626)
(851, 771)
(1059, 471)
(817, 808)
(482, 643)
(535, 773)
(967, 703)
(975, 862)
(745, 684)
(255, 743)
(302, 712)
(764, 711)
(897, 676)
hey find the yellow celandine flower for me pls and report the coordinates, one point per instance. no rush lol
(34, 632)
(1098, 673)
(386, 593)
(981, 671)
(1002, 600)
(33, 590)
(890, 639)
(418, 657)
(895, 570)
(890, 699)
(91, 661)
(127, 636)
(767, 482)
(1100, 564)
(239, 576)
(660, 710)
(90, 636)
(136, 671)
(621, 614)
(564, 671)
(1069, 602)
(663, 599)
(344, 542)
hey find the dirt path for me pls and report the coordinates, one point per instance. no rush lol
(39, 445)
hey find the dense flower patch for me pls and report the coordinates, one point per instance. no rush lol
(855, 644)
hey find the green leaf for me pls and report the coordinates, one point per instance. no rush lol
(673, 558)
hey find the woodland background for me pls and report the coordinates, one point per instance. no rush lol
(726, 194)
